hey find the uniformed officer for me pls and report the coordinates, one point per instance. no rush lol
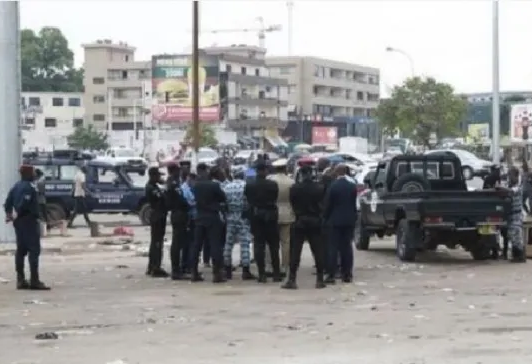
(155, 195)
(515, 223)
(261, 195)
(22, 208)
(306, 198)
(210, 200)
(178, 206)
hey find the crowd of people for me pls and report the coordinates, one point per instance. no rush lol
(212, 210)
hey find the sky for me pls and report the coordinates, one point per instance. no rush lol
(448, 40)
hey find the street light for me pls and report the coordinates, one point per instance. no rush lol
(495, 127)
(400, 51)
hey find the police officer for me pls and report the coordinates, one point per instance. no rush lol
(261, 195)
(22, 208)
(155, 195)
(493, 179)
(210, 200)
(306, 198)
(515, 223)
(178, 206)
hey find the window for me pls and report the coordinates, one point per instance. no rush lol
(98, 80)
(74, 102)
(68, 172)
(123, 126)
(58, 101)
(126, 58)
(124, 75)
(50, 172)
(23, 101)
(285, 70)
(98, 99)
(348, 94)
(380, 175)
(228, 68)
(29, 121)
(77, 122)
(50, 122)
(257, 72)
(243, 70)
(360, 96)
(98, 117)
(34, 101)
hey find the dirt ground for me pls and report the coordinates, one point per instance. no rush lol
(444, 309)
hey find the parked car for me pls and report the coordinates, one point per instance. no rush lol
(472, 166)
(132, 162)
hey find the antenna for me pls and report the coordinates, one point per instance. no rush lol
(290, 6)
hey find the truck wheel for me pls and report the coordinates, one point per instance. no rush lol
(410, 182)
(361, 236)
(468, 173)
(144, 214)
(482, 248)
(55, 212)
(407, 238)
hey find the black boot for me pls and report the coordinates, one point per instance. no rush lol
(320, 283)
(35, 282)
(196, 277)
(159, 273)
(178, 276)
(291, 282)
(217, 275)
(330, 279)
(228, 272)
(518, 256)
(247, 275)
(22, 283)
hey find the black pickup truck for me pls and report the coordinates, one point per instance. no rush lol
(424, 201)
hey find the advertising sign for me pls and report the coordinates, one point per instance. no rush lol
(520, 115)
(172, 88)
(478, 133)
(325, 135)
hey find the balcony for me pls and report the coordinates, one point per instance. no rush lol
(255, 80)
(256, 122)
(257, 101)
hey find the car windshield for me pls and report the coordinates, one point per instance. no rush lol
(207, 154)
(464, 154)
(125, 153)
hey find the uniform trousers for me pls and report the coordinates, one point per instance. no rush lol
(178, 250)
(266, 234)
(28, 239)
(237, 230)
(340, 242)
(515, 231)
(285, 231)
(314, 237)
(208, 233)
(157, 231)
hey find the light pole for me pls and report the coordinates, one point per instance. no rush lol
(495, 126)
(410, 59)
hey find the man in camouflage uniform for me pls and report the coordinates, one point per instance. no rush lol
(515, 221)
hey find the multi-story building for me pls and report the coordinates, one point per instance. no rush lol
(324, 91)
(49, 117)
(116, 86)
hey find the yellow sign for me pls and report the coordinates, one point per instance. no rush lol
(478, 133)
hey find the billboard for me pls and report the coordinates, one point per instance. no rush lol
(520, 115)
(478, 133)
(172, 88)
(324, 135)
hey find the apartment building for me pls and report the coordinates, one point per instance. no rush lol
(49, 117)
(117, 87)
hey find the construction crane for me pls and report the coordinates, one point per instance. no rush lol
(261, 30)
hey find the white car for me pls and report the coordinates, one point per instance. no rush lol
(133, 163)
(205, 155)
(358, 158)
(472, 166)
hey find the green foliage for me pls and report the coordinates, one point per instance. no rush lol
(422, 107)
(87, 138)
(47, 62)
(207, 136)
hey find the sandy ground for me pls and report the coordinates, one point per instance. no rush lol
(444, 309)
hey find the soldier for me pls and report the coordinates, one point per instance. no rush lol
(261, 195)
(210, 200)
(156, 198)
(237, 228)
(286, 215)
(306, 198)
(179, 207)
(515, 223)
(22, 208)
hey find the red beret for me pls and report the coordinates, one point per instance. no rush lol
(26, 169)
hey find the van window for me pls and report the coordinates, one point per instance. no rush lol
(50, 172)
(68, 172)
(433, 169)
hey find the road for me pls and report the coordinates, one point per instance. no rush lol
(446, 308)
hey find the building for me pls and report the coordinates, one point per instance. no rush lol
(332, 93)
(49, 117)
(116, 86)
(486, 97)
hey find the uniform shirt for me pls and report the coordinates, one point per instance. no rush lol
(210, 200)
(286, 215)
(306, 199)
(191, 200)
(156, 199)
(22, 198)
(79, 181)
(262, 193)
(236, 201)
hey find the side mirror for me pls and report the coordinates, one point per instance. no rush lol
(379, 185)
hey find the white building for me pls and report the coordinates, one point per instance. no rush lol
(49, 117)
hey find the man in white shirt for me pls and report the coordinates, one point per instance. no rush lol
(80, 192)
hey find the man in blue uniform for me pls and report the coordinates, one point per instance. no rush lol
(22, 208)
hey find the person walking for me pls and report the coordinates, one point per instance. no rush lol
(80, 197)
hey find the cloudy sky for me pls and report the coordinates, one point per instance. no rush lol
(449, 40)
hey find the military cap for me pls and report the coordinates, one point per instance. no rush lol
(154, 171)
(26, 170)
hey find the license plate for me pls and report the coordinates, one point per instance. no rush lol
(486, 230)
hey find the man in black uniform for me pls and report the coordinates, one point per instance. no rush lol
(306, 198)
(210, 200)
(261, 195)
(156, 198)
(178, 206)
(493, 179)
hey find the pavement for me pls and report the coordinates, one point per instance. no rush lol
(445, 308)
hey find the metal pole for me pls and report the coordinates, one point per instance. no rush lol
(195, 79)
(290, 6)
(135, 121)
(496, 135)
(10, 113)
(109, 112)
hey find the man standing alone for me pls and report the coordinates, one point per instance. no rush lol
(80, 193)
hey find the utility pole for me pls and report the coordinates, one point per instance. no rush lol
(195, 79)
(10, 106)
(495, 126)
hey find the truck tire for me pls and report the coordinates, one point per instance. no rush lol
(410, 182)
(361, 236)
(482, 248)
(145, 214)
(407, 239)
(55, 212)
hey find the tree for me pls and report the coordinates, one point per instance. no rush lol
(207, 135)
(421, 108)
(87, 138)
(47, 63)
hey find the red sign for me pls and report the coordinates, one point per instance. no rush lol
(324, 135)
(167, 113)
